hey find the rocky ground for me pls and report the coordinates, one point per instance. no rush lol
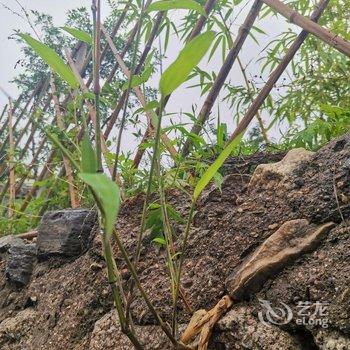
(54, 293)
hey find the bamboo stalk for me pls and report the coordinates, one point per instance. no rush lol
(38, 90)
(96, 62)
(17, 104)
(69, 173)
(49, 192)
(128, 90)
(36, 96)
(35, 128)
(52, 153)
(32, 133)
(3, 113)
(115, 113)
(247, 83)
(25, 175)
(91, 108)
(11, 151)
(312, 27)
(41, 177)
(140, 96)
(276, 74)
(208, 7)
(140, 151)
(19, 117)
(31, 165)
(223, 73)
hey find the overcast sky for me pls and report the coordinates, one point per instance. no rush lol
(10, 50)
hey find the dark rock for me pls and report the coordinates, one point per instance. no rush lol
(66, 232)
(20, 262)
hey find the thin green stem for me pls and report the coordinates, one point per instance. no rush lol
(96, 11)
(150, 179)
(168, 234)
(114, 281)
(144, 295)
(181, 261)
(136, 256)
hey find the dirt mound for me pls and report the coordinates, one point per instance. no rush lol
(67, 304)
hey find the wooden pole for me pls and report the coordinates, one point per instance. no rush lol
(32, 133)
(312, 27)
(223, 73)
(276, 74)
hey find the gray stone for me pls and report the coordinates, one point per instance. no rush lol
(7, 241)
(20, 262)
(281, 170)
(332, 340)
(66, 232)
(15, 328)
(240, 329)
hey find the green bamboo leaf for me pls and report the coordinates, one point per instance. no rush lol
(107, 195)
(52, 59)
(151, 105)
(176, 4)
(137, 80)
(211, 171)
(189, 57)
(88, 157)
(78, 34)
(159, 240)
